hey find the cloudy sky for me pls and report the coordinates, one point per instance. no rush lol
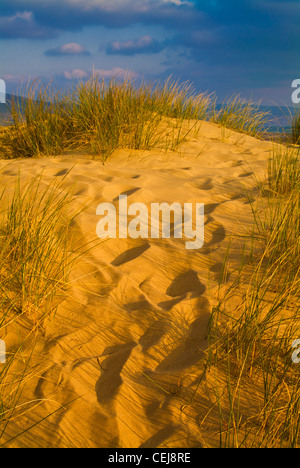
(251, 47)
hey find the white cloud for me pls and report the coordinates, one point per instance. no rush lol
(116, 5)
(23, 24)
(72, 48)
(145, 44)
(25, 15)
(178, 2)
(136, 6)
(116, 72)
(139, 43)
(76, 74)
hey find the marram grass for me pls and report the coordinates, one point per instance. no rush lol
(40, 124)
(99, 117)
(256, 383)
(37, 253)
(296, 128)
(241, 115)
(35, 257)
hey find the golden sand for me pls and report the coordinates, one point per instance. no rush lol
(119, 364)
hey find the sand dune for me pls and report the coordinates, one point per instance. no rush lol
(119, 363)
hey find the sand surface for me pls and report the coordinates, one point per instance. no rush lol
(119, 365)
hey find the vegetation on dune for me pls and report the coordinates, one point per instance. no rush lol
(241, 115)
(101, 116)
(296, 128)
(256, 382)
(37, 254)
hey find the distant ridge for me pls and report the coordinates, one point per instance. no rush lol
(5, 113)
(9, 97)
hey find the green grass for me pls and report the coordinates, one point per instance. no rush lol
(40, 124)
(99, 117)
(37, 253)
(34, 239)
(296, 128)
(241, 115)
(121, 114)
(283, 169)
(256, 384)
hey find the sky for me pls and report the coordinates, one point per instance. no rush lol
(226, 47)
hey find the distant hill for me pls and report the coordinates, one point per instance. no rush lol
(5, 115)
(5, 109)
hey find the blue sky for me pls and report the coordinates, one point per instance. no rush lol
(248, 47)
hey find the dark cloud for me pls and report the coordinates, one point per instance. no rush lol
(232, 44)
(246, 44)
(72, 15)
(23, 25)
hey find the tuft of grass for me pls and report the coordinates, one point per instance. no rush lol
(256, 383)
(179, 101)
(40, 125)
(241, 115)
(296, 128)
(283, 169)
(107, 116)
(100, 117)
(37, 253)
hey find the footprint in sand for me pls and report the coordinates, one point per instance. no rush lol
(154, 333)
(159, 437)
(185, 283)
(167, 305)
(63, 172)
(237, 163)
(193, 346)
(207, 185)
(127, 192)
(112, 191)
(110, 380)
(218, 236)
(210, 207)
(130, 255)
(237, 196)
(138, 305)
(9, 172)
(218, 270)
